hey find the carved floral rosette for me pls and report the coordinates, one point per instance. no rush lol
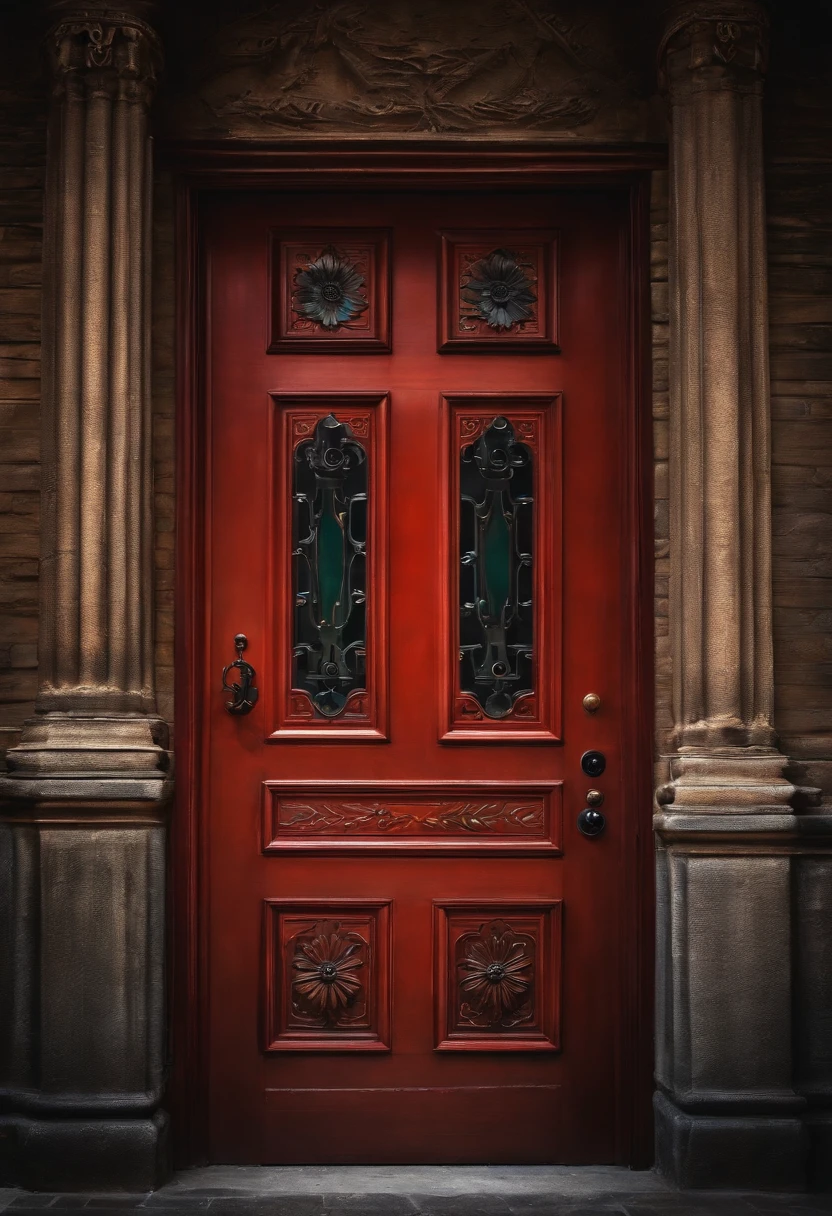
(498, 976)
(326, 975)
(330, 290)
(498, 290)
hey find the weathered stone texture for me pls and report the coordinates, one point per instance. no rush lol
(22, 159)
(799, 203)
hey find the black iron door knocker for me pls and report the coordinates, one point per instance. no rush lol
(243, 692)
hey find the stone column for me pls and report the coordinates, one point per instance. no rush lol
(727, 1110)
(81, 830)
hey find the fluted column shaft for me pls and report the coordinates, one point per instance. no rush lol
(97, 652)
(96, 701)
(719, 388)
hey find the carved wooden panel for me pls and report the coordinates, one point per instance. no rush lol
(498, 291)
(498, 976)
(327, 975)
(330, 665)
(330, 290)
(502, 664)
(413, 816)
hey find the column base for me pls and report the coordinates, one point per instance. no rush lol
(730, 1152)
(84, 1154)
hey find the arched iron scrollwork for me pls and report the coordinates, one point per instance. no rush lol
(496, 624)
(329, 546)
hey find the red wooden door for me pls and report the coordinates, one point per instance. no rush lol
(415, 411)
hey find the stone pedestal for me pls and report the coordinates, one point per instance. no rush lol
(730, 1110)
(82, 836)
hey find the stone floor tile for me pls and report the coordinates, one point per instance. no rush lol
(691, 1204)
(385, 1205)
(114, 1199)
(461, 1205)
(31, 1200)
(23, 1211)
(170, 1199)
(263, 1205)
(379, 1208)
(786, 1204)
(555, 1207)
(536, 1205)
(204, 1192)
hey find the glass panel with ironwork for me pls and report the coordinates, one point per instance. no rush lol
(495, 583)
(329, 566)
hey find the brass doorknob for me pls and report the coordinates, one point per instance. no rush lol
(592, 702)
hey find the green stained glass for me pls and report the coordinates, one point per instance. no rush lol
(331, 554)
(497, 557)
(496, 543)
(329, 546)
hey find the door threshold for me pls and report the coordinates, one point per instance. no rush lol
(561, 1181)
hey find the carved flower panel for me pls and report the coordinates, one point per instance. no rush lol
(498, 290)
(498, 977)
(326, 976)
(330, 290)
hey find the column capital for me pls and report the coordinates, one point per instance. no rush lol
(713, 45)
(105, 45)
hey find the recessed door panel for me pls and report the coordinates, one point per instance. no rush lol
(415, 426)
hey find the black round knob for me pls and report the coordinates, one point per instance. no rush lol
(593, 763)
(591, 822)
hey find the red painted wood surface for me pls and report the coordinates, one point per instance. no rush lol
(428, 1091)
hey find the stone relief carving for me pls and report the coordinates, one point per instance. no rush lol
(355, 66)
(105, 41)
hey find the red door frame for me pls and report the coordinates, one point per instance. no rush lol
(231, 167)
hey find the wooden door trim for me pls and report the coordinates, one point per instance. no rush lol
(233, 167)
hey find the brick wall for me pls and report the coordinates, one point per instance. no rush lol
(661, 505)
(164, 400)
(799, 203)
(22, 159)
